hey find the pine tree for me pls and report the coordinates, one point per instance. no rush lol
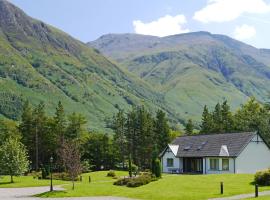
(227, 118)
(207, 121)
(119, 139)
(162, 130)
(217, 119)
(189, 127)
(75, 128)
(129, 166)
(59, 122)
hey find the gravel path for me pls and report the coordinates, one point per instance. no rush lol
(26, 193)
(243, 196)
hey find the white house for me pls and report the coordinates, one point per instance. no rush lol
(216, 154)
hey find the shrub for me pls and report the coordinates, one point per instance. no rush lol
(134, 169)
(62, 176)
(263, 177)
(135, 181)
(121, 181)
(111, 173)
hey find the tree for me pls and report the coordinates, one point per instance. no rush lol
(119, 138)
(157, 168)
(13, 158)
(8, 128)
(207, 121)
(161, 130)
(217, 119)
(75, 129)
(59, 121)
(71, 157)
(189, 127)
(227, 118)
(129, 166)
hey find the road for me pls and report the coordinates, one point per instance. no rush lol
(27, 193)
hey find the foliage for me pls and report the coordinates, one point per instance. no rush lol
(98, 150)
(70, 156)
(13, 158)
(135, 181)
(157, 168)
(140, 132)
(64, 176)
(262, 178)
(251, 116)
(111, 173)
(189, 128)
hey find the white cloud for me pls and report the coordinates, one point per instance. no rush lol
(228, 10)
(164, 26)
(244, 32)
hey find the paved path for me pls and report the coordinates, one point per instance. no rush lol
(26, 193)
(243, 196)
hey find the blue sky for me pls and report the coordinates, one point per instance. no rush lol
(86, 20)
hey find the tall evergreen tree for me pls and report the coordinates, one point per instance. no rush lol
(217, 119)
(162, 130)
(76, 126)
(227, 118)
(189, 128)
(59, 122)
(119, 139)
(207, 121)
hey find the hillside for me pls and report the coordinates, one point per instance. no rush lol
(41, 63)
(192, 69)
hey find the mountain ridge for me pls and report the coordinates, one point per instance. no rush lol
(41, 63)
(192, 69)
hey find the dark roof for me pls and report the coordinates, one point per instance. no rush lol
(210, 145)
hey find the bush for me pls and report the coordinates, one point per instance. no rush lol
(121, 181)
(263, 177)
(62, 176)
(36, 175)
(111, 173)
(135, 181)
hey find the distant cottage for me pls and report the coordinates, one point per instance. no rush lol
(216, 154)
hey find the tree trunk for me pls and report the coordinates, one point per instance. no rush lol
(36, 141)
(73, 185)
(11, 179)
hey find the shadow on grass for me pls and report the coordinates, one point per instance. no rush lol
(6, 183)
(49, 194)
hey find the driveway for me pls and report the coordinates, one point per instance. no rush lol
(26, 193)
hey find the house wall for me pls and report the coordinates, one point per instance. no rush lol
(178, 162)
(207, 169)
(256, 156)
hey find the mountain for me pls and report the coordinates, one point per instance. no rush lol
(41, 63)
(192, 69)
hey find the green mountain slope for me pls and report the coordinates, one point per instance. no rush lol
(41, 63)
(192, 69)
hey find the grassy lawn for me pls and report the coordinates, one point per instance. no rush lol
(180, 187)
(25, 181)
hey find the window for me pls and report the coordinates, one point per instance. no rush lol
(225, 164)
(214, 164)
(169, 162)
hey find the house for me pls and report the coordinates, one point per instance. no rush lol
(216, 154)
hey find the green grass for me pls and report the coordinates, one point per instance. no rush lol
(26, 181)
(180, 187)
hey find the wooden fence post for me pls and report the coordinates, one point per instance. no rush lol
(221, 187)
